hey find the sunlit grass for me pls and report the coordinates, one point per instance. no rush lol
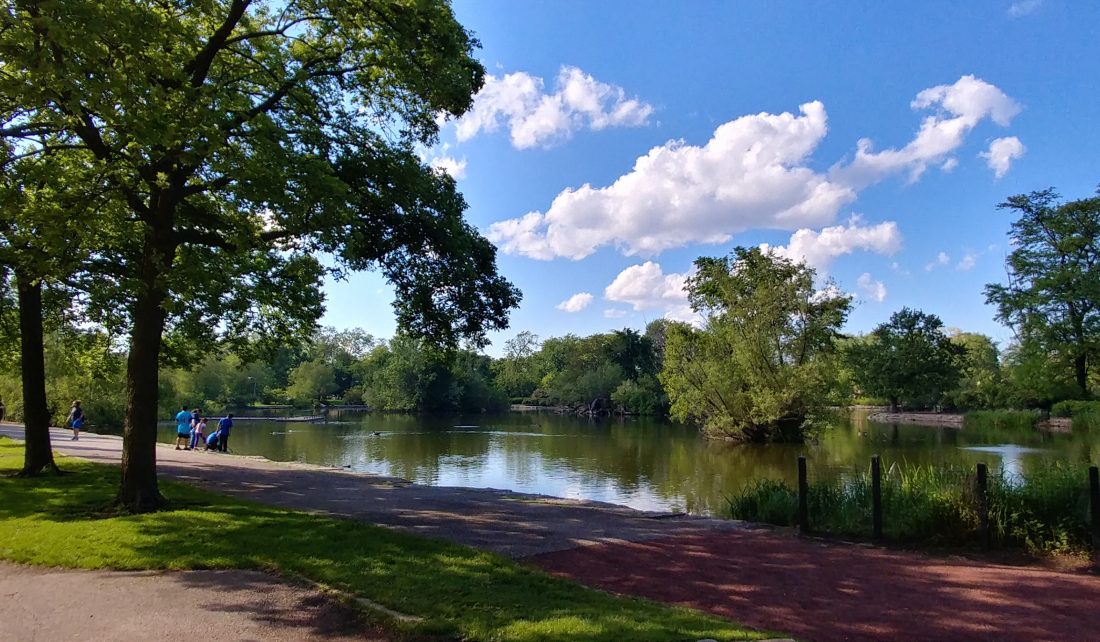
(458, 591)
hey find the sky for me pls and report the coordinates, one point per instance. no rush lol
(615, 142)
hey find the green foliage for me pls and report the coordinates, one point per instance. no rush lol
(311, 381)
(1075, 408)
(1052, 298)
(1046, 513)
(761, 367)
(642, 397)
(981, 383)
(907, 359)
(1001, 419)
(460, 593)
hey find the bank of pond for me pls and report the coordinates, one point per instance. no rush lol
(649, 464)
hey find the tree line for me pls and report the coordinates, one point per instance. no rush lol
(766, 363)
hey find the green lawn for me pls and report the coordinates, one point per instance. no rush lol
(459, 592)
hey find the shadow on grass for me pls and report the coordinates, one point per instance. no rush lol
(458, 591)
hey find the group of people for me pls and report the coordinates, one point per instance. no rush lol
(191, 431)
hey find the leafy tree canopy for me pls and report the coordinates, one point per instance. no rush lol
(1052, 297)
(760, 367)
(909, 359)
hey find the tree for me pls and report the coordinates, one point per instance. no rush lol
(981, 384)
(760, 368)
(909, 358)
(246, 138)
(312, 381)
(1053, 293)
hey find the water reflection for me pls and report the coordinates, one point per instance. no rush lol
(642, 463)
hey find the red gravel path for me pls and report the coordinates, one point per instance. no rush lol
(824, 592)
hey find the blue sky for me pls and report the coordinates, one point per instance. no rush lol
(615, 142)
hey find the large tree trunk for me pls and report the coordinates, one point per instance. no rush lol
(1081, 372)
(139, 491)
(38, 455)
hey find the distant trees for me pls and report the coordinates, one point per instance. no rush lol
(1052, 298)
(908, 359)
(761, 366)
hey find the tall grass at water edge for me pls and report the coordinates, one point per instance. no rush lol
(1084, 415)
(1001, 419)
(1046, 513)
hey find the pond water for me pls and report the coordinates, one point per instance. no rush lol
(642, 463)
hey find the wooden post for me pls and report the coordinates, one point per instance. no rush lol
(876, 496)
(803, 497)
(983, 504)
(1094, 506)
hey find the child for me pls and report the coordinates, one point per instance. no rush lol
(197, 432)
(76, 419)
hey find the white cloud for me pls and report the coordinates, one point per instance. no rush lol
(538, 119)
(958, 108)
(818, 249)
(968, 261)
(575, 303)
(456, 168)
(647, 287)
(941, 260)
(1022, 8)
(1001, 153)
(752, 174)
(614, 313)
(949, 164)
(872, 289)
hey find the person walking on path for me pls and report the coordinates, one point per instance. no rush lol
(183, 427)
(225, 424)
(75, 419)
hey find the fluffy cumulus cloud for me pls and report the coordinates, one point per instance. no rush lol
(536, 118)
(1001, 153)
(456, 168)
(647, 287)
(818, 249)
(956, 108)
(753, 173)
(576, 303)
(870, 288)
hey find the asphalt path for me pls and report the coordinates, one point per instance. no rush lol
(505, 522)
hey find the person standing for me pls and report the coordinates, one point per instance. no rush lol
(225, 424)
(197, 432)
(75, 419)
(183, 427)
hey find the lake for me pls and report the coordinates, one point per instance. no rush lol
(638, 462)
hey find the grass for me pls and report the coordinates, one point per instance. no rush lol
(1001, 419)
(460, 592)
(937, 507)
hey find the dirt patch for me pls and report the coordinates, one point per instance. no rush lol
(54, 604)
(833, 592)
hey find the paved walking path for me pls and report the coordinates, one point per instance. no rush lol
(218, 606)
(761, 577)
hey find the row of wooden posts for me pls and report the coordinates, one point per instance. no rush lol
(981, 487)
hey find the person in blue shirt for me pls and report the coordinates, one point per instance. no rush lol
(76, 419)
(183, 427)
(225, 424)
